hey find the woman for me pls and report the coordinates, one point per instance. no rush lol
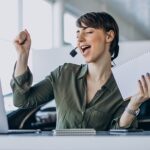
(86, 95)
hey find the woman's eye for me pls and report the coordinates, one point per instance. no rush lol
(89, 32)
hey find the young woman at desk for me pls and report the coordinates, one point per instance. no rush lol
(86, 95)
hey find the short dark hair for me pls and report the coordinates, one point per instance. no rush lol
(106, 22)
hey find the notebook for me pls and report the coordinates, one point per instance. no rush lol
(128, 74)
(74, 132)
(4, 128)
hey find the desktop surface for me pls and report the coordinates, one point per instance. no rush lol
(104, 140)
(98, 134)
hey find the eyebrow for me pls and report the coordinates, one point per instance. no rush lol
(84, 28)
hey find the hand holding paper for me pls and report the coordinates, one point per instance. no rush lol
(128, 74)
(143, 92)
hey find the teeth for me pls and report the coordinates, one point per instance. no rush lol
(84, 46)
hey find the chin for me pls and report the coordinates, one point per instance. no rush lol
(88, 60)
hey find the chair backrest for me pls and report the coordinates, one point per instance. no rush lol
(144, 116)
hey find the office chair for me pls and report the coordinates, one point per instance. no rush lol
(144, 116)
(28, 119)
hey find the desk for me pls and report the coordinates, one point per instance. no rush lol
(102, 141)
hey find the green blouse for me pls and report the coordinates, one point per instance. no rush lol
(67, 85)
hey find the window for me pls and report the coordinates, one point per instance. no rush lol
(37, 18)
(8, 31)
(70, 29)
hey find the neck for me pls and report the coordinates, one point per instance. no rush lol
(100, 71)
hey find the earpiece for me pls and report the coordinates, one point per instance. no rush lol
(73, 52)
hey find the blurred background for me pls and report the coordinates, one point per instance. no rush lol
(51, 24)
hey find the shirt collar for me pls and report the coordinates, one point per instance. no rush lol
(83, 71)
(110, 84)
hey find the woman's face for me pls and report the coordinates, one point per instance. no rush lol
(92, 43)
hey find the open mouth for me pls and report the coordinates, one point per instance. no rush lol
(84, 48)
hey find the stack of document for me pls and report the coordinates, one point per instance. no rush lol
(74, 132)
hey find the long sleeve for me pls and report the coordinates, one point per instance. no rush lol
(26, 96)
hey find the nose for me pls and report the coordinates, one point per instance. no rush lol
(80, 37)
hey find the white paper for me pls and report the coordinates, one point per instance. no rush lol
(128, 74)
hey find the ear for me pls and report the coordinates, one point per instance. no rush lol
(110, 36)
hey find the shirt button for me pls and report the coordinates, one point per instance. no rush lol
(82, 112)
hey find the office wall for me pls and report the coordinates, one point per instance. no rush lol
(44, 61)
(128, 30)
(129, 50)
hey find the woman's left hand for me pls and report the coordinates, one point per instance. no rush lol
(136, 100)
(143, 92)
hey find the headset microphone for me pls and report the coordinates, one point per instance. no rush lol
(73, 52)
